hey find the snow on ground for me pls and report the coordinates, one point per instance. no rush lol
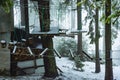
(69, 73)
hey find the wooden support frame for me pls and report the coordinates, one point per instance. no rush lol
(14, 49)
(45, 50)
(57, 53)
(30, 51)
(75, 32)
(87, 55)
(53, 31)
(71, 53)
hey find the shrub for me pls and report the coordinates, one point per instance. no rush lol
(78, 63)
(64, 44)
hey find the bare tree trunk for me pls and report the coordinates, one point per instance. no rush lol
(79, 19)
(97, 63)
(108, 63)
(49, 59)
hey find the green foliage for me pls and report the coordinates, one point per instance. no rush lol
(80, 3)
(113, 18)
(90, 6)
(115, 15)
(6, 4)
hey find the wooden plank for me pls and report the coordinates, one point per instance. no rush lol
(87, 55)
(71, 53)
(33, 67)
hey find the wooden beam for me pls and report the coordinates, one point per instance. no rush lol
(57, 53)
(32, 67)
(87, 55)
(45, 50)
(30, 51)
(14, 49)
(71, 53)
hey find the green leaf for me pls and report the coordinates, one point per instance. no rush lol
(6, 5)
(80, 3)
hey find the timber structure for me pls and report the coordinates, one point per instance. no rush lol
(22, 51)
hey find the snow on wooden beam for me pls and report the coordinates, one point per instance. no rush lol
(75, 32)
(44, 51)
(70, 33)
(78, 31)
(14, 49)
(30, 51)
(53, 31)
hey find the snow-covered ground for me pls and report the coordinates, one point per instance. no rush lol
(69, 73)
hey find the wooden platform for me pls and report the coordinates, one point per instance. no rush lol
(58, 32)
(53, 31)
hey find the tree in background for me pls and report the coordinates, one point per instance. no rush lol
(6, 4)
